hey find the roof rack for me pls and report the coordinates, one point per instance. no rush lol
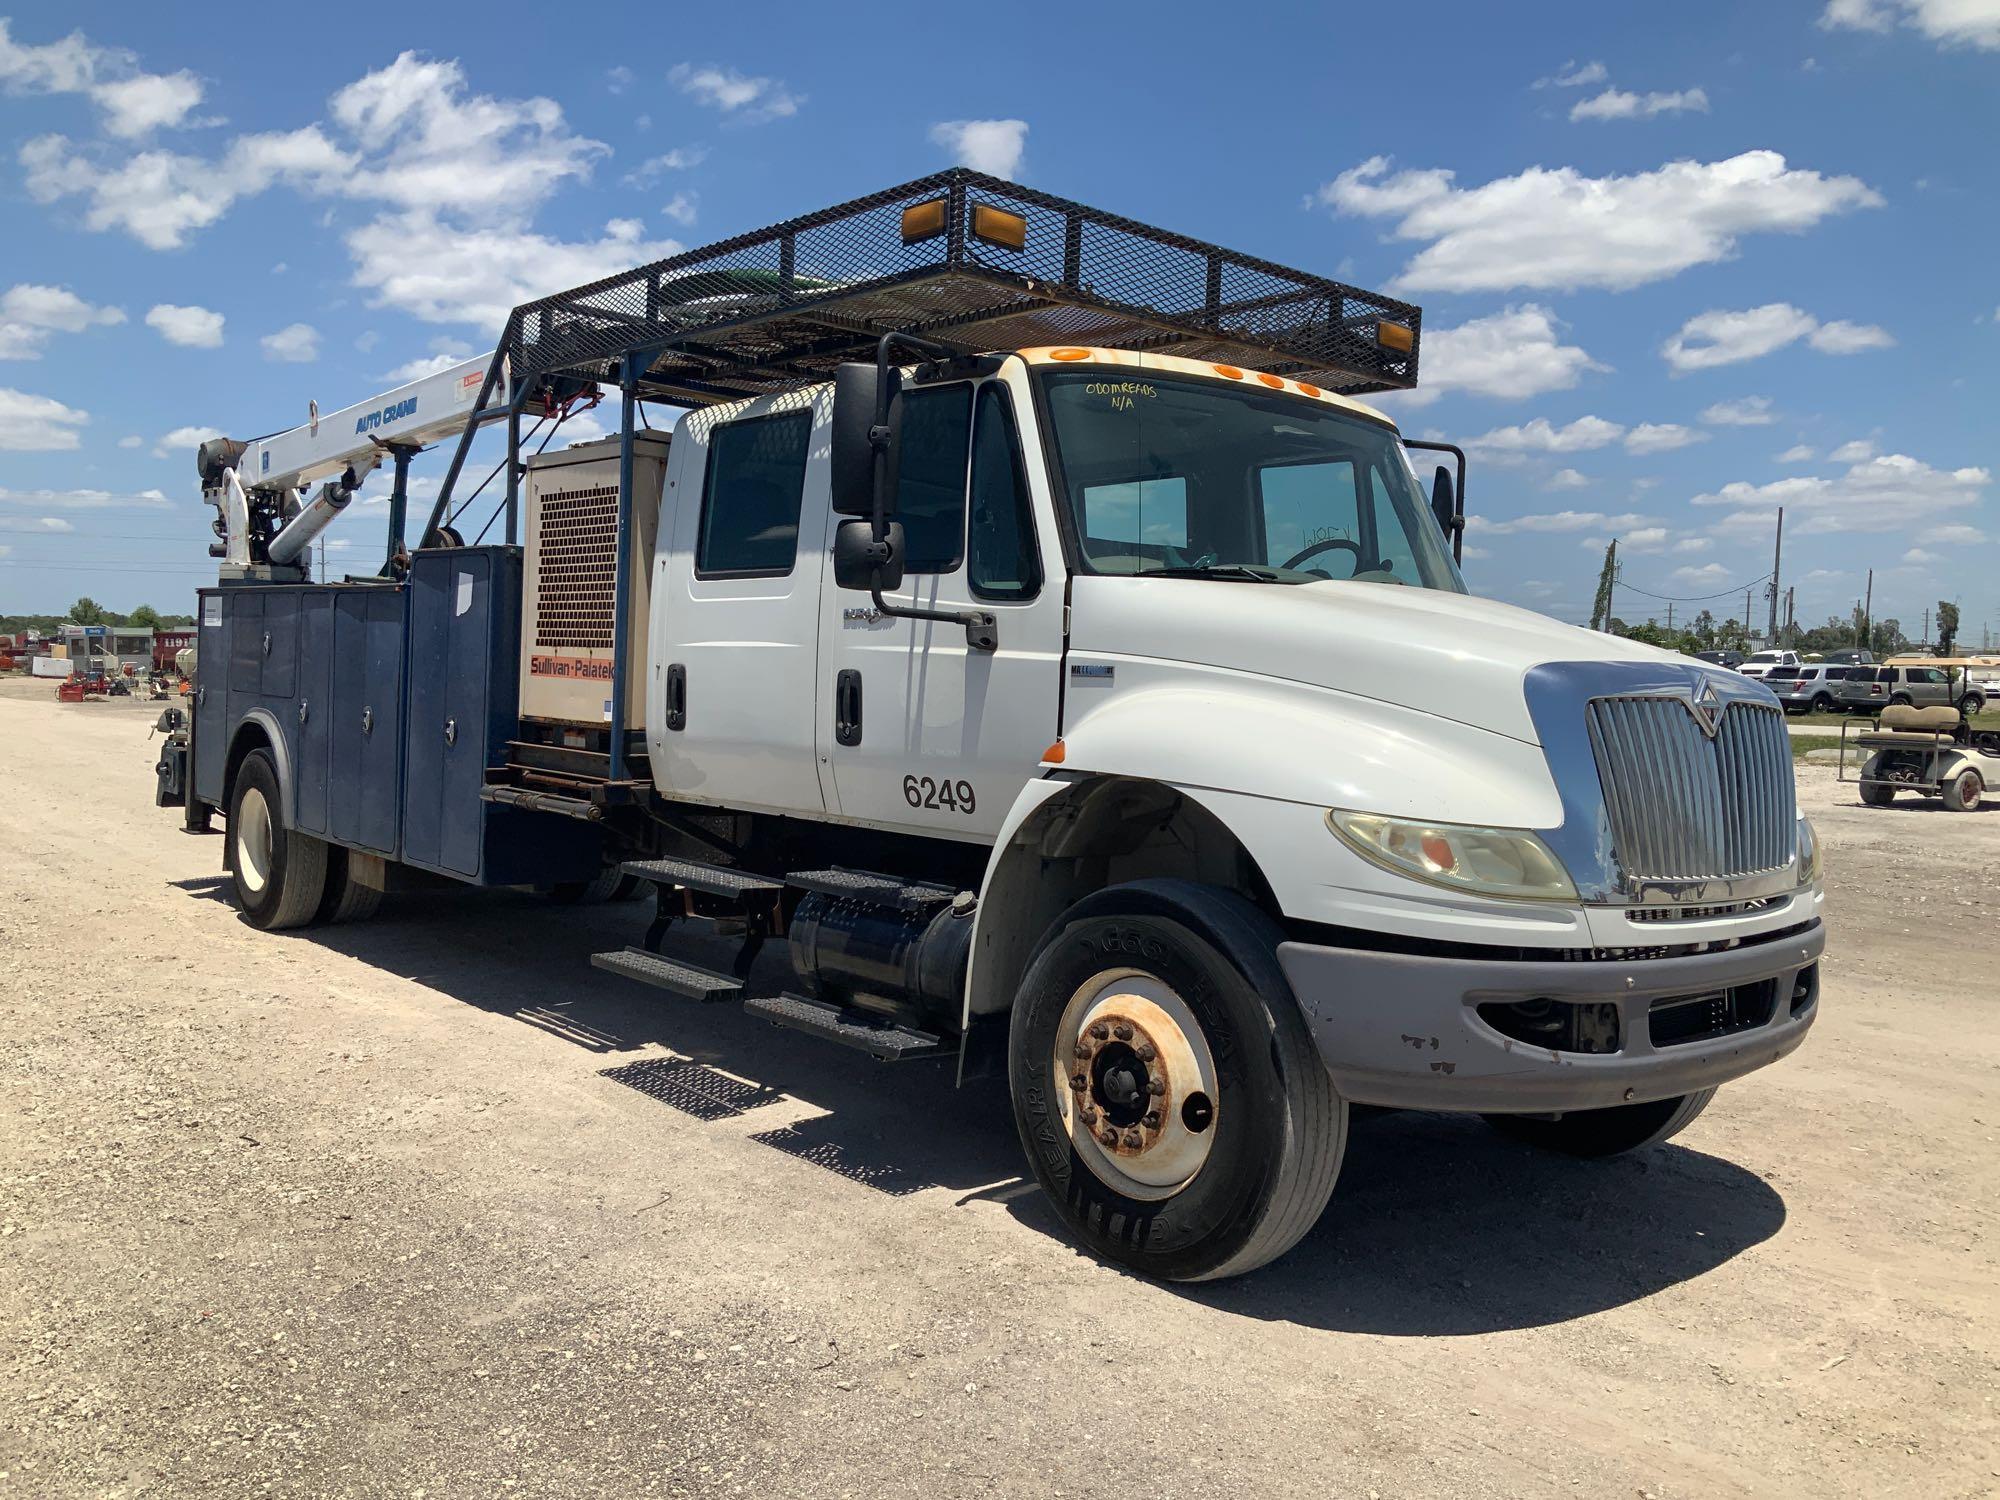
(968, 260)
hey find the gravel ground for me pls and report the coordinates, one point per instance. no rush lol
(428, 1207)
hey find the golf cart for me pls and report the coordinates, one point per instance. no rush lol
(1932, 751)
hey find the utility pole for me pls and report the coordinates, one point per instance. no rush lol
(1791, 618)
(1777, 557)
(1867, 609)
(1746, 619)
(1670, 617)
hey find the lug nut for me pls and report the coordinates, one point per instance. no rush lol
(1146, 1051)
(1087, 1115)
(1155, 1084)
(1152, 1120)
(1081, 1050)
(1133, 1139)
(1079, 1082)
(1100, 1031)
(1122, 1031)
(1108, 1136)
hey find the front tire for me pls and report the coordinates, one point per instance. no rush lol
(1605, 1132)
(276, 873)
(1165, 1086)
(1822, 704)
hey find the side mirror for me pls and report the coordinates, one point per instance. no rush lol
(860, 562)
(1444, 501)
(857, 396)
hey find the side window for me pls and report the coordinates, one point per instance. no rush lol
(750, 502)
(1309, 503)
(1392, 541)
(1141, 518)
(1004, 563)
(930, 476)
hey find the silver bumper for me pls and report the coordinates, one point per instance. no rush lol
(1404, 1030)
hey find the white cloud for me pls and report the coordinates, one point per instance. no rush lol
(1661, 437)
(751, 100)
(134, 102)
(1618, 104)
(1798, 453)
(680, 159)
(1719, 337)
(1540, 436)
(1694, 544)
(682, 207)
(444, 274)
(184, 440)
(191, 327)
(1566, 479)
(1640, 539)
(417, 369)
(1918, 557)
(1574, 75)
(295, 343)
(1853, 452)
(1509, 355)
(990, 146)
(30, 315)
(39, 525)
(1706, 573)
(1849, 338)
(618, 79)
(1557, 521)
(1949, 23)
(1954, 536)
(1746, 411)
(1886, 493)
(37, 424)
(1560, 228)
(132, 440)
(410, 135)
(77, 500)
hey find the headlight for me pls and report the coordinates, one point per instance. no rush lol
(1490, 861)
(1810, 863)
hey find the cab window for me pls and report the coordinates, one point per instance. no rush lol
(1001, 545)
(750, 499)
(930, 476)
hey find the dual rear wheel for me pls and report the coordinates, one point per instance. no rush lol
(282, 878)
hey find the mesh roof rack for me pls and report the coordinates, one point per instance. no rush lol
(780, 307)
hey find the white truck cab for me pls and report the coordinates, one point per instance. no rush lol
(1761, 664)
(1116, 717)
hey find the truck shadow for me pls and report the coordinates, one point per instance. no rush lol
(1438, 1226)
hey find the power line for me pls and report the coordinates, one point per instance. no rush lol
(1692, 598)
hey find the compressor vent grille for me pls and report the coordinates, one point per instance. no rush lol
(577, 543)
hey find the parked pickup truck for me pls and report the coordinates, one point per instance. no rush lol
(1763, 663)
(1109, 715)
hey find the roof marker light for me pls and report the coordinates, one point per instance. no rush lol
(1229, 372)
(1069, 354)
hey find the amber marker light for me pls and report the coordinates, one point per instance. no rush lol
(1227, 372)
(998, 227)
(1066, 355)
(923, 221)
(1395, 336)
(1055, 754)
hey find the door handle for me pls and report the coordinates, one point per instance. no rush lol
(847, 708)
(451, 731)
(677, 697)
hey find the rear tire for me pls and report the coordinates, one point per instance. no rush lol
(1605, 1132)
(277, 874)
(1874, 794)
(1971, 704)
(348, 898)
(1963, 792)
(1822, 704)
(1901, 700)
(1240, 1161)
(587, 892)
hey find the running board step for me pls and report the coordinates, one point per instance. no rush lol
(669, 974)
(710, 880)
(882, 1041)
(871, 889)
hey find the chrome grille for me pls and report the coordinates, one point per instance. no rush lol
(1685, 806)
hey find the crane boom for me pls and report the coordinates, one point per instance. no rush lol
(420, 411)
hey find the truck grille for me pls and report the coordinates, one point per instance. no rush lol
(1685, 805)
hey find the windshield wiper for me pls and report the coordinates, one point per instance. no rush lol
(1237, 572)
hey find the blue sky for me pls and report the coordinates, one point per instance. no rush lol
(1678, 265)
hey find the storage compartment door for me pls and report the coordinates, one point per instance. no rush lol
(366, 746)
(423, 764)
(315, 710)
(468, 665)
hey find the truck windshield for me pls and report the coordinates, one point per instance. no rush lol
(1191, 478)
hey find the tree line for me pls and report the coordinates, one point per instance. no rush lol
(87, 611)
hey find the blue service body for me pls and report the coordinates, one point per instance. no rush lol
(384, 704)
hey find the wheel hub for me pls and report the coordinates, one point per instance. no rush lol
(1139, 1102)
(253, 841)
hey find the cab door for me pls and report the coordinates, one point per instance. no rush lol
(732, 679)
(921, 732)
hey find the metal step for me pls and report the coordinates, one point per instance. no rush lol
(669, 974)
(883, 1041)
(872, 889)
(712, 880)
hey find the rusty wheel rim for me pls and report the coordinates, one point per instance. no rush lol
(1969, 789)
(1137, 1086)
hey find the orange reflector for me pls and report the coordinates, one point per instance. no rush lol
(1439, 852)
(998, 227)
(1069, 354)
(1310, 390)
(1053, 756)
(1229, 372)
(1395, 336)
(923, 221)
(1274, 382)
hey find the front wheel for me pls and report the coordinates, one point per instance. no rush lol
(1822, 704)
(1165, 1085)
(1605, 1132)
(1971, 705)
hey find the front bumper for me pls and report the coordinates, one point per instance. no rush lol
(1404, 1030)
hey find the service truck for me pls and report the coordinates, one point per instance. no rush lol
(1015, 614)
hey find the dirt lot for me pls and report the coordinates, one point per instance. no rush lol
(429, 1207)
